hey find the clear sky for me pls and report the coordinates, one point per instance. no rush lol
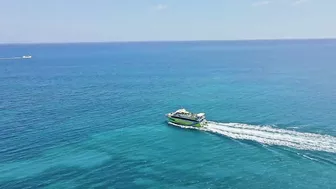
(147, 20)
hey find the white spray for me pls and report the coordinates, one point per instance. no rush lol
(271, 136)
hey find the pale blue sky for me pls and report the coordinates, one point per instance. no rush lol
(147, 20)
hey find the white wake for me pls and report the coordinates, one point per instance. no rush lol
(272, 136)
(10, 58)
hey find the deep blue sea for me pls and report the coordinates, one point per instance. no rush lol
(92, 115)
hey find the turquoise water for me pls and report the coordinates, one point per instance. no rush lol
(92, 115)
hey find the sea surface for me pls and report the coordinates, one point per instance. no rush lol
(92, 115)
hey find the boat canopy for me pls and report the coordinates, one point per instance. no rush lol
(200, 114)
(182, 111)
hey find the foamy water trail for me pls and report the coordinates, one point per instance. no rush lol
(272, 136)
(10, 58)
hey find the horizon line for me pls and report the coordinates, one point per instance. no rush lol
(168, 41)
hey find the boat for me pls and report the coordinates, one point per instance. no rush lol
(182, 117)
(27, 57)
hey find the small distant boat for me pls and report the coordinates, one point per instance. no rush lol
(184, 118)
(26, 56)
